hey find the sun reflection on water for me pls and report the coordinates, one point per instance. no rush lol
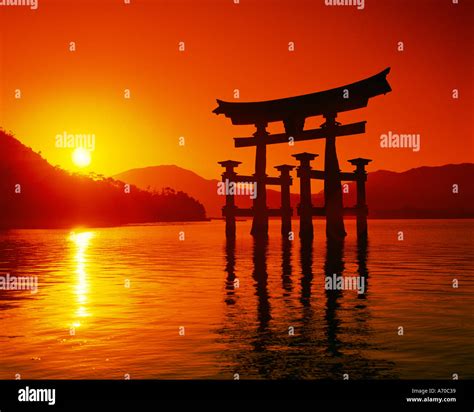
(81, 241)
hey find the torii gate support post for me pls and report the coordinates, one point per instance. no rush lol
(229, 210)
(332, 183)
(362, 210)
(305, 207)
(260, 213)
(286, 211)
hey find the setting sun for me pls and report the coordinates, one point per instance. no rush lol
(81, 157)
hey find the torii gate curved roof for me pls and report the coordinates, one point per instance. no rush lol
(299, 107)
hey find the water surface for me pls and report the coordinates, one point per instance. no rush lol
(113, 301)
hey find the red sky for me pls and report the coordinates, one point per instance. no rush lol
(229, 47)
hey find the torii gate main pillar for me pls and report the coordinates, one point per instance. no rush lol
(332, 183)
(260, 216)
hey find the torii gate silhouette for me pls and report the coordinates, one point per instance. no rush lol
(293, 111)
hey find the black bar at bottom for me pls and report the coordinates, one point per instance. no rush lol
(453, 393)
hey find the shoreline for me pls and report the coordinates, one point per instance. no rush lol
(178, 222)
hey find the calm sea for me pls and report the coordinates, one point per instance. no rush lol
(145, 302)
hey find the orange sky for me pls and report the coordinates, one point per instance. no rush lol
(229, 47)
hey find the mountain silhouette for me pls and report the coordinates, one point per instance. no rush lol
(423, 192)
(34, 194)
(157, 177)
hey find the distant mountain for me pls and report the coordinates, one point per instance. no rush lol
(158, 177)
(423, 192)
(34, 194)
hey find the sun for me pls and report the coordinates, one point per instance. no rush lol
(81, 157)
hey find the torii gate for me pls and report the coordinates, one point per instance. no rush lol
(293, 111)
